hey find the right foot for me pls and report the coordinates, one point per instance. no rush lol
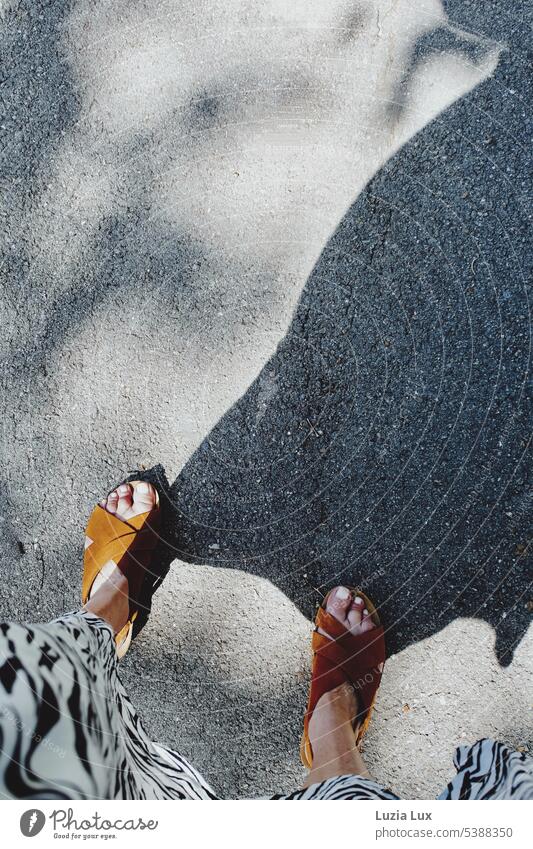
(333, 723)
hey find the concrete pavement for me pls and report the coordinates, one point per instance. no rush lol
(283, 252)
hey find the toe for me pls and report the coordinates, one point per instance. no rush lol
(367, 623)
(144, 497)
(355, 613)
(112, 502)
(339, 603)
(125, 499)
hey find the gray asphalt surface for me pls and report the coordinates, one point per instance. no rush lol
(284, 253)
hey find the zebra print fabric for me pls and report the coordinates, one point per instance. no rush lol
(69, 731)
(490, 770)
(67, 727)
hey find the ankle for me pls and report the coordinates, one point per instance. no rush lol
(333, 739)
(335, 753)
(111, 601)
(335, 711)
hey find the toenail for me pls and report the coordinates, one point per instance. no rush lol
(124, 488)
(343, 593)
(114, 495)
(358, 600)
(144, 487)
(365, 611)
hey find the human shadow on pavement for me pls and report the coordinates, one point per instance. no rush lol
(385, 442)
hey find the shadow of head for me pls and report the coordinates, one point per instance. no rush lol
(385, 441)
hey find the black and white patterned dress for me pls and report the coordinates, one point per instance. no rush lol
(69, 731)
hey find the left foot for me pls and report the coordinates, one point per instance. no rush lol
(110, 598)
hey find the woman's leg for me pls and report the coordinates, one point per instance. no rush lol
(58, 727)
(67, 727)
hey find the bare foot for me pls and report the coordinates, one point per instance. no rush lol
(111, 591)
(130, 499)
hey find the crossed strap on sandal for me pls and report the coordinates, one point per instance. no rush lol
(129, 544)
(356, 658)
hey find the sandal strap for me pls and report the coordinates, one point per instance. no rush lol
(357, 659)
(105, 525)
(333, 627)
(117, 540)
(339, 657)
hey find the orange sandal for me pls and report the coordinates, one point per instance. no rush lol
(130, 545)
(358, 659)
